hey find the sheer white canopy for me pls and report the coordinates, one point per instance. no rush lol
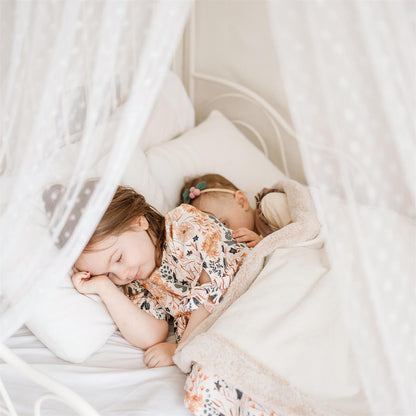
(70, 68)
(66, 68)
(348, 70)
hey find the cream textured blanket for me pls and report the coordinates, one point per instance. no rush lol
(279, 335)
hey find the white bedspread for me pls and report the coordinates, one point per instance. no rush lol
(284, 341)
(114, 380)
(279, 335)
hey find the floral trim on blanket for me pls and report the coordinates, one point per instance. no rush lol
(208, 395)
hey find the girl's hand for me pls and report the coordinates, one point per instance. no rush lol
(244, 235)
(160, 355)
(87, 285)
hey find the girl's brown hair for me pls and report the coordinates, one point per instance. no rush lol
(126, 206)
(213, 180)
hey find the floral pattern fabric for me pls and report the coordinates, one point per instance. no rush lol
(208, 395)
(195, 241)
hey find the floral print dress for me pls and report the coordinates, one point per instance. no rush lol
(195, 242)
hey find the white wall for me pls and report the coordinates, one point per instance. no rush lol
(233, 41)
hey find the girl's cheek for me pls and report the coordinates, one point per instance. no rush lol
(115, 280)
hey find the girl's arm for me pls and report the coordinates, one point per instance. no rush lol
(160, 355)
(137, 327)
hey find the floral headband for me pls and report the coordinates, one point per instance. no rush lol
(200, 188)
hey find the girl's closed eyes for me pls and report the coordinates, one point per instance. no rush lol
(224, 222)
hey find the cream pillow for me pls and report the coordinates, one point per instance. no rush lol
(214, 146)
(172, 114)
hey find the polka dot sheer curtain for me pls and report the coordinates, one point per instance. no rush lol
(348, 70)
(78, 81)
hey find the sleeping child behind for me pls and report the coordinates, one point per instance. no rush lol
(216, 195)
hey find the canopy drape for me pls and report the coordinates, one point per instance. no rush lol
(78, 81)
(348, 70)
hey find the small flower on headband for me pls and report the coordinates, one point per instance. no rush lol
(193, 192)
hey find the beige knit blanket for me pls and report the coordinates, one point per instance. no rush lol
(278, 335)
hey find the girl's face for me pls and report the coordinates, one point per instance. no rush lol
(124, 258)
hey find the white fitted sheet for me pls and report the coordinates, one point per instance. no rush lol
(114, 380)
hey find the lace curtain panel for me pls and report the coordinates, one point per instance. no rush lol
(348, 69)
(79, 79)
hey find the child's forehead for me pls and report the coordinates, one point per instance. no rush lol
(218, 199)
(217, 206)
(97, 254)
(103, 244)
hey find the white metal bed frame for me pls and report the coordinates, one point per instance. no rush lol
(264, 130)
(261, 123)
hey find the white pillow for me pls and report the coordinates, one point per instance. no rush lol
(71, 325)
(74, 326)
(214, 146)
(172, 114)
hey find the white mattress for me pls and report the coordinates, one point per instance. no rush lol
(114, 380)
